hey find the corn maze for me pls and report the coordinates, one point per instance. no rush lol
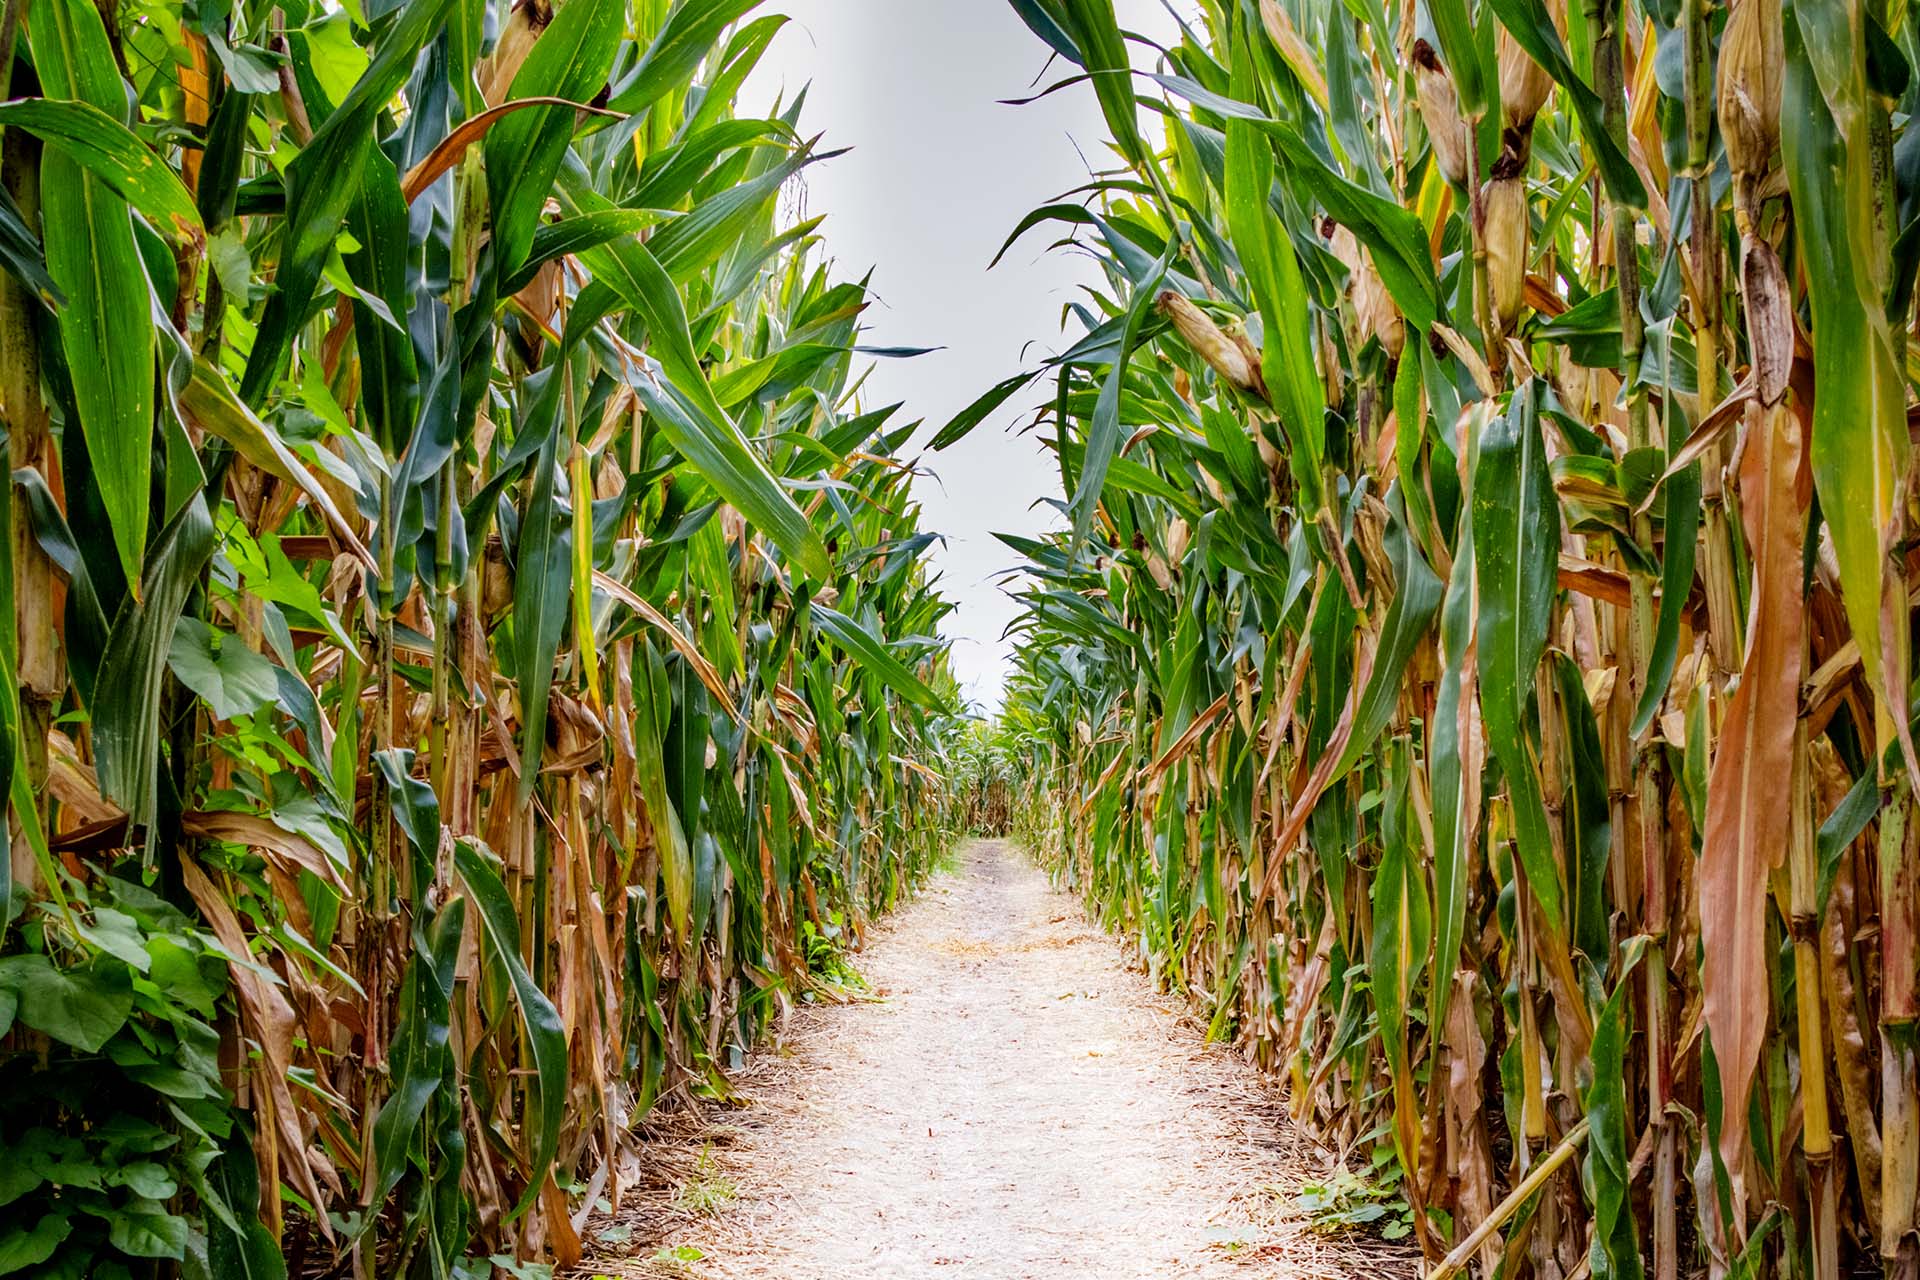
(474, 660)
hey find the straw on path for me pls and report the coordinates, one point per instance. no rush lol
(1017, 1104)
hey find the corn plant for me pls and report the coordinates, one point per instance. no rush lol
(1477, 661)
(466, 634)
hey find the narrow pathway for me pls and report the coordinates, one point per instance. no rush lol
(1016, 1104)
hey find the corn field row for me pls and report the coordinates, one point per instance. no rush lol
(1479, 665)
(469, 655)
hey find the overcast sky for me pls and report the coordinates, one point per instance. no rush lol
(939, 175)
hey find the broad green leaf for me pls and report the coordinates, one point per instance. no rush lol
(22, 1248)
(219, 667)
(81, 1007)
(144, 1229)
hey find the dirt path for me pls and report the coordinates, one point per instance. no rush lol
(1018, 1104)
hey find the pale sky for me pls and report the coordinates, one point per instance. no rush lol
(939, 175)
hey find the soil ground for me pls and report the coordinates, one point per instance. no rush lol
(1014, 1102)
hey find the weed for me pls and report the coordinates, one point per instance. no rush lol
(706, 1190)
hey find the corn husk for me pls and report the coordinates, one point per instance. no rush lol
(1347, 250)
(1269, 458)
(1374, 313)
(1229, 355)
(1525, 85)
(1299, 56)
(1178, 535)
(1440, 108)
(1377, 310)
(1750, 73)
(1504, 203)
(522, 27)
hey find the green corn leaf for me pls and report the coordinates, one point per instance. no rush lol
(1681, 496)
(1409, 409)
(413, 803)
(650, 727)
(22, 255)
(1273, 273)
(1454, 703)
(576, 235)
(1397, 952)
(210, 401)
(380, 269)
(691, 414)
(1416, 598)
(1095, 35)
(689, 245)
(689, 35)
(109, 151)
(544, 1034)
(127, 728)
(1516, 540)
(1393, 235)
(320, 187)
(1043, 18)
(570, 60)
(1860, 443)
(420, 1063)
(106, 329)
(542, 582)
(963, 423)
(1584, 813)
(872, 653)
(1474, 77)
(1103, 439)
(1607, 1171)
